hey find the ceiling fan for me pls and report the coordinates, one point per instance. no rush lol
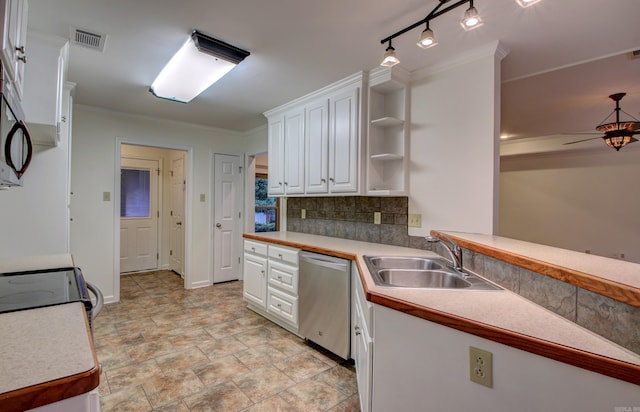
(616, 134)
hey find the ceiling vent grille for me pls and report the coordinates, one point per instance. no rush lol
(85, 38)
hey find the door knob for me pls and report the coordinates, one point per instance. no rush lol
(218, 225)
(178, 223)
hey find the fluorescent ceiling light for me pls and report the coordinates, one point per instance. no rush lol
(199, 63)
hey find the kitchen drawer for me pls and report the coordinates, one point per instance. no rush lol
(284, 255)
(255, 247)
(284, 277)
(283, 306)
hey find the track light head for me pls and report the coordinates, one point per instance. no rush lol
(471, 19)
(427, 39)
(526, 3)
(390, 59)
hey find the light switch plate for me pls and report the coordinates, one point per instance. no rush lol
(106, 196)
(415, 220)
(202, 197)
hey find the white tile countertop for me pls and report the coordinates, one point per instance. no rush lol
(43, 353)
(498, 315)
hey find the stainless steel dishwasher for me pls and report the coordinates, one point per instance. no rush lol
(324, 301)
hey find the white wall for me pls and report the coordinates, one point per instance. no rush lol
(454, 146)
(93, 171)
(579, 200)
(34, 218)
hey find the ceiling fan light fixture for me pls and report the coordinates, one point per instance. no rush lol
(619, 133)
(471, 19)
(201, 61)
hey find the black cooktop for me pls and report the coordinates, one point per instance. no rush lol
(35, 289)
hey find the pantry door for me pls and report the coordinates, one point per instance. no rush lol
(139, 215)
(227, 214)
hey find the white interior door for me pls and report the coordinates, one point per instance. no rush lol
(227, 206)
(138, 215)
(177, 193)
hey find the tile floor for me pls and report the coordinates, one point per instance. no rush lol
(164, 348)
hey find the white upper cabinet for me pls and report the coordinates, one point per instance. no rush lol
(344, 142)
(316, 139)
(286, 153)
(44, 85)
(315, 143)
(14, 38)
(294, 152)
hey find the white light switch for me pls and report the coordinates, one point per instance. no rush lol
(106, 196)
(202, 197)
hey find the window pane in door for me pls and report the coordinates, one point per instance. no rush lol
(135, 199)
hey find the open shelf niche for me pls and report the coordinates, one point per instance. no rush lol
(388, 134)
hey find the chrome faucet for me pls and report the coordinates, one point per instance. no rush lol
(455, 252)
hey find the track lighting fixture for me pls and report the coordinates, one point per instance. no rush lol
(390, 59)
(471, 20)
(427, 38)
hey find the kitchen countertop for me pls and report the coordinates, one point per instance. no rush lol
(46, 355)
(501, 316)
(616, 279)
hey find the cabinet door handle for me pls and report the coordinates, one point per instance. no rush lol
(23, 59)
(279, 277)
(280, 255)
(286, 183)
(323, 180)
(20, 49)
(279, 183)
(356, 329)
(253, 249)
(332, 180)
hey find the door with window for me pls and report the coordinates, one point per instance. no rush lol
(139, 215)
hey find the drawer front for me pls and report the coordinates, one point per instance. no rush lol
(283, 306)
(284, 277)
(284, 255)
(257, 248)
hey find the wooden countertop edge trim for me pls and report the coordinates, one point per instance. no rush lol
(600, 364)
(614, 290)
(606, 366)
(53, 391)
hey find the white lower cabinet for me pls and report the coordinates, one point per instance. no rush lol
(361, 341)
(271, 282)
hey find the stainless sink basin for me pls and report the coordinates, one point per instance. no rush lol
(409, 278)
(402, 262)
(423, 273)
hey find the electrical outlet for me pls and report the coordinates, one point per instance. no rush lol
(303, 214)
(415, 220)
(377, 218)
(481, 366)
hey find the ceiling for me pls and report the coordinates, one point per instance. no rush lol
(298, 46)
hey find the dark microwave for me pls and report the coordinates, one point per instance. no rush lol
(16, 147)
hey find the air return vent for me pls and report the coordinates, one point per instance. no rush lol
(88, 39)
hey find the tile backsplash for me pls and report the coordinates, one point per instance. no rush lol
(351, 217)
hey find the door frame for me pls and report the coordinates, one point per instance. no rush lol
(242, 191)
(116, 208)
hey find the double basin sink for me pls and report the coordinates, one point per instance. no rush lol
(422, 273)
